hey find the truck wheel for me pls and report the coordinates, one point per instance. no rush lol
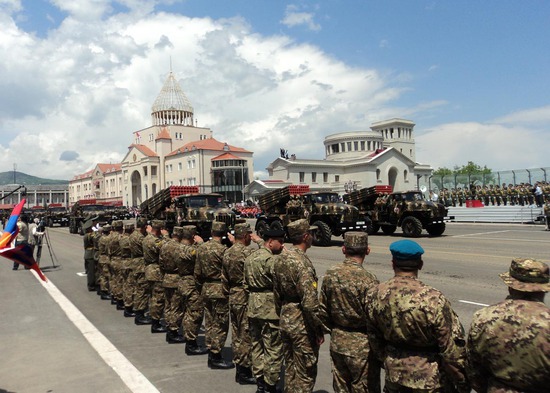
(436, 229)
(372, 229)
(322, 236)
(388, 229)
(80, 229)
(412, 227)
(261, 228)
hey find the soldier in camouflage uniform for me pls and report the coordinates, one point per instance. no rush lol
(170, 254)
(126, 272)
(141, 286)
(547, 214)
(343, 311)
(96, 237)
(103, 263)
(414, 330)
(267, 347)
(152, 244)
(508, 343)
(297, 304)
(192, 301)
(115, 257)
(233, 287)
(208, 272)
(89, 261)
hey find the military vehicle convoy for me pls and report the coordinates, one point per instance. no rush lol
(409, 210)
(56, 213)
(184, 205)
(87, 208)
(322, 209)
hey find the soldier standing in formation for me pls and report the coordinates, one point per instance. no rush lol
(547, 214)
(267, 347)
(208, 271)
(126, 271)
(152, 244)
(508, 343)
(141, 286)
(297, 304)
(192, 301)
(169, 259)
(415, 329)
(89, 262)
(233, 287)
(115, 262)
(343, 310)
(103, 263)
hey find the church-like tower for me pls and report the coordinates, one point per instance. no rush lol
(172, 106)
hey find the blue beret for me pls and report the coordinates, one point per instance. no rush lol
(406, 250)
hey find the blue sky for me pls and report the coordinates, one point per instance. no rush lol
(473, 76)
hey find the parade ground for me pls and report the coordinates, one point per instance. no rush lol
(59, 337)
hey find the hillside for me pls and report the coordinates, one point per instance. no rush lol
(28, 180)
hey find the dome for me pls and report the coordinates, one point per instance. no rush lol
(171, 97)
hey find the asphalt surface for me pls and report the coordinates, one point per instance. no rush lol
(58, 337)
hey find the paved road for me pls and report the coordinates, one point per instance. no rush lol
(47, 345)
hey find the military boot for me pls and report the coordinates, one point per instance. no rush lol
(271, 388)
(260, 383)
(113, 300)
(156, 327)
(129, 313)
(174, 337)
(142, 319)
(217, 362)
(244, 376)
(105, 295)
(192, 348)
(120, 304)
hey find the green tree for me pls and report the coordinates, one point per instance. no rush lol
(461, 176)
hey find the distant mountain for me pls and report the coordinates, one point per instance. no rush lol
(28, 180)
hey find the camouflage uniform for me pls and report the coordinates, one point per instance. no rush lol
(343, 304)
(208, 270)
(170, 254)
(233, 287)
(103, 262)
(297, 304)
(141, 298)
(115, 257)
(547, 214)
(415, 332)
(126, 271)
(151, 251)
(508, 343)
(267, 347)
(97, 236)
(89, 261)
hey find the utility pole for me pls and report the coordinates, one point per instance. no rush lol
(14, 169)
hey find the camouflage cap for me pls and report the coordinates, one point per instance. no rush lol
(406, 253)
(141, 222)
(129, 227)
(117, 224)
(527, 275)
(158, 224)
(356, 239)
(106, 228)
(299, 227)
(189, 231)
(177, 231)
(242, 229)
(218, 226)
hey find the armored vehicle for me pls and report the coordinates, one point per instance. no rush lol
(56, 213)
(408, 210)
(321, 208)
(83, 210)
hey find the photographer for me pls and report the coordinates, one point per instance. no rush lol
(38, 233)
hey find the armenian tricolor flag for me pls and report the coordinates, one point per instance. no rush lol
(21, 253)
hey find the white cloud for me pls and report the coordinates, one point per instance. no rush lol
(294, 17)
(384, 43)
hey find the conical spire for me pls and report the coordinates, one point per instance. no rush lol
(171, 105)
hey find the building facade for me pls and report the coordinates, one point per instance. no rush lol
(385, 154)
(36, 195)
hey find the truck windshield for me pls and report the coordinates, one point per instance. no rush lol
(413, 196)
(89, 208)
(325, 198)
(205, 200)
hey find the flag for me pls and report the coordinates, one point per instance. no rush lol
(21, 253)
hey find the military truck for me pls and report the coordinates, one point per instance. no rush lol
(184, 205)
(409, 210)
(321, 208)
(56, 213)
(85, 209)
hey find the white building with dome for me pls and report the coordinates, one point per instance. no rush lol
(172, 151)
(385, 154)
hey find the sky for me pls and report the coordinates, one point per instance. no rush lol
(78, 77)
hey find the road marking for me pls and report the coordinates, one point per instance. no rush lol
(130, 375)
(480, 233)
(474, 303)
(81, 274)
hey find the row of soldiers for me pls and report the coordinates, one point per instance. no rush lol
(269, 297)
(494, 195)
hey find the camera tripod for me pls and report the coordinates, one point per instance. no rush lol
(41, 240)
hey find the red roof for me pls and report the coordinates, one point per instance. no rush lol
(109, 168)
(226, 156)
(163, 134)
(83, 175)
(144, 149)
(208, 144)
